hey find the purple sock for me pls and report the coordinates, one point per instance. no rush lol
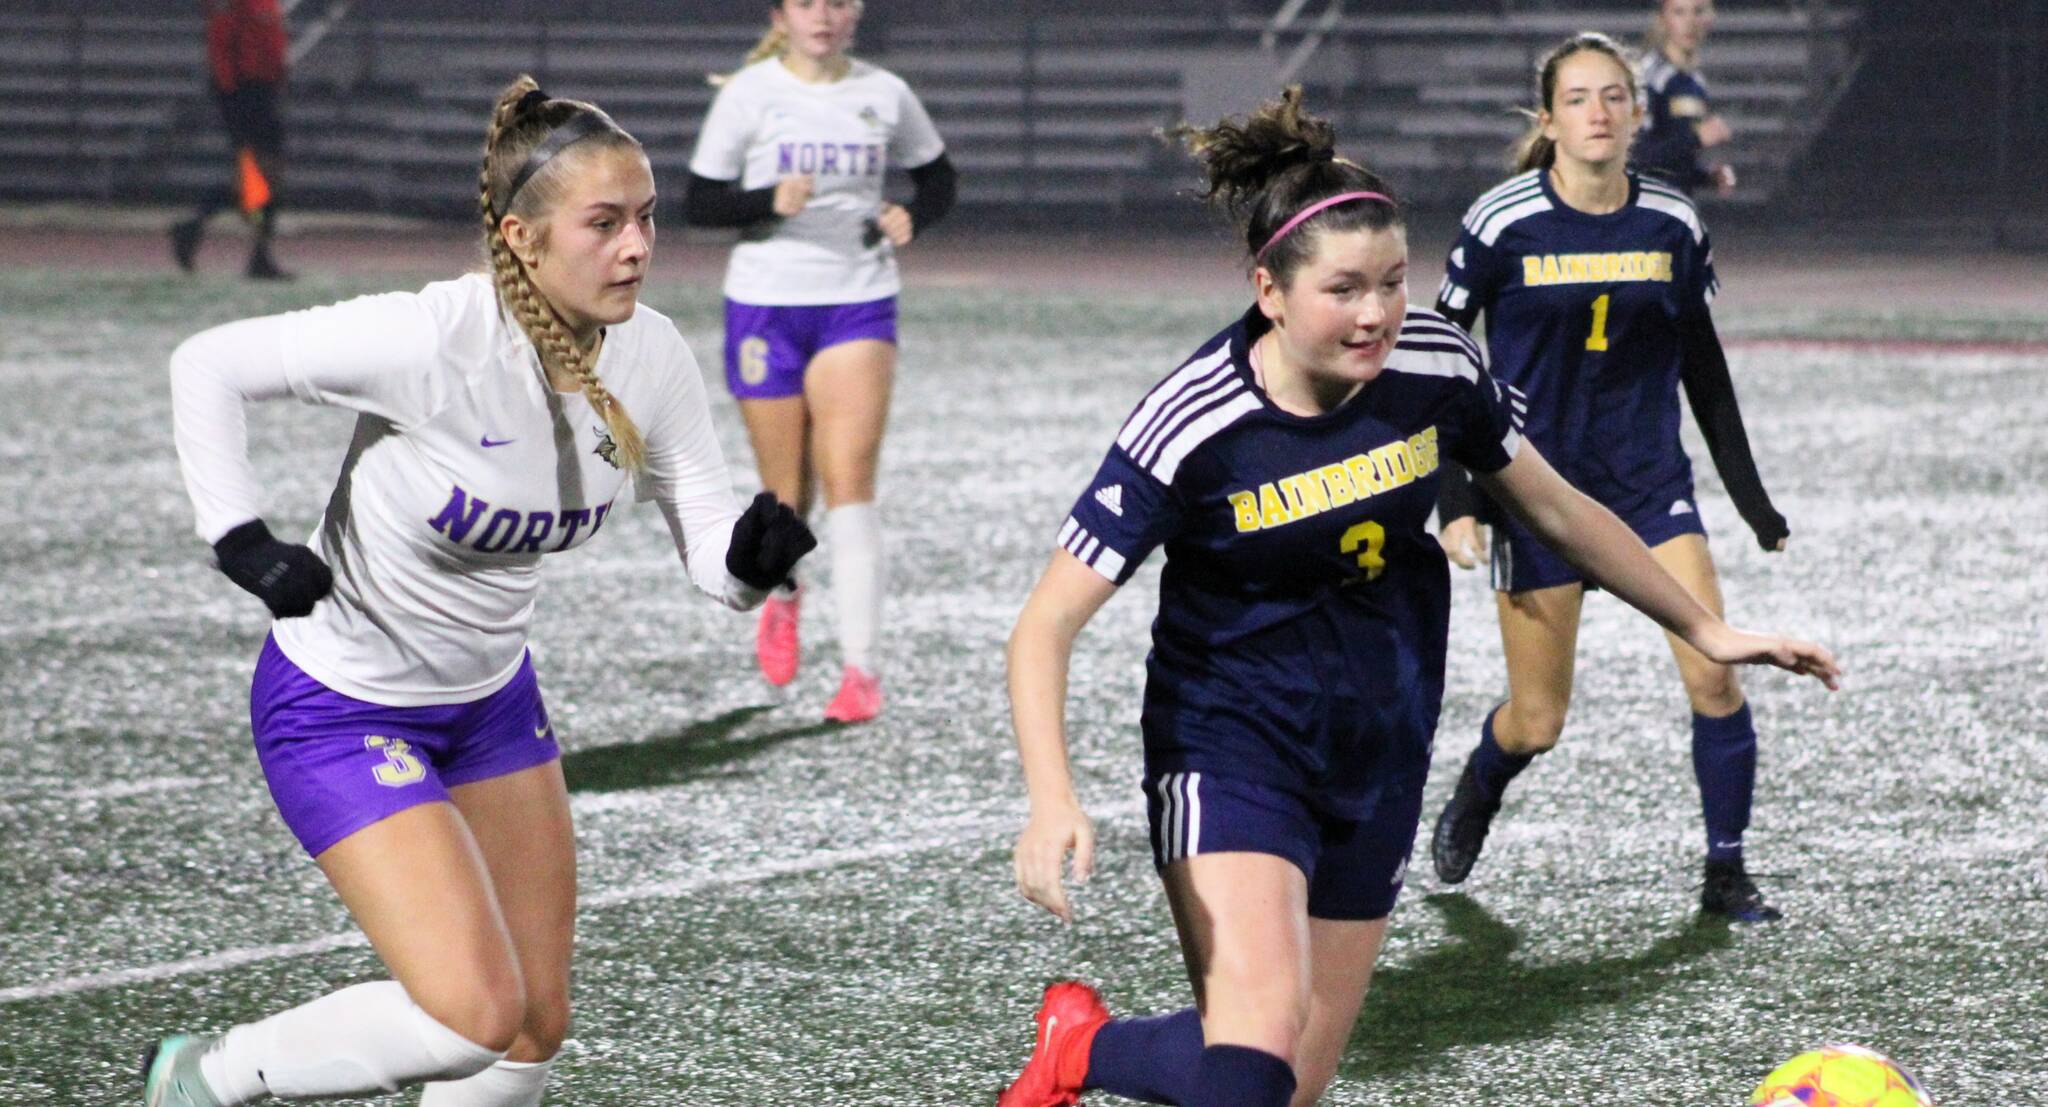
(1239, 1076)
(1492, 766)
(1724, 760)
(1151, 1060)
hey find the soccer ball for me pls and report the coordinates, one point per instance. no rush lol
(1840, 1076)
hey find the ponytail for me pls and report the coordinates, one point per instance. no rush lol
(772, 45)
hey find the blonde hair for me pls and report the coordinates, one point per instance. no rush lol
(772, 44)
(520, 121)
(1533, 150)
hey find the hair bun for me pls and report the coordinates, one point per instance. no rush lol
(531, 102)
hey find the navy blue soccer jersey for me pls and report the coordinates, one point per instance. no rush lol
(1586, 316)
(1303, 605)
(1675, 101)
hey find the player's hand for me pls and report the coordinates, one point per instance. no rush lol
(1464, 542)
(1714, 131)
(1729, 646)
(768, 539)
(896, 225)
(1724, 179)
(793, 192)
(289, 579)
(1041, 855)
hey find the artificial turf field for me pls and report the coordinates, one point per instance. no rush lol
(779, 912)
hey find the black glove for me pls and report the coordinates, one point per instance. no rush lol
(767, 541)
(288, 579)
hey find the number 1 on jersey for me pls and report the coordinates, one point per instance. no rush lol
(1373, 537)
(1598, 339)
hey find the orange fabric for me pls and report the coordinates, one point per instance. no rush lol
(255, 187)
(245, 41)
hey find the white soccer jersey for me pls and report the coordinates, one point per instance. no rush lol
(466, 468)
(766, 125)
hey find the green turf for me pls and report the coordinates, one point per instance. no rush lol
(784, 913)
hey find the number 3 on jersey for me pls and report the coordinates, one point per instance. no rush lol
(1373, 537)
(1598, 339)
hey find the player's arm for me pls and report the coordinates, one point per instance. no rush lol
(714, 203)
(1041, 648)
(1711, 392)
(935, 188)
(1602, 547)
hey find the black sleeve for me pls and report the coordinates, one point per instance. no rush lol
(714, 203)
(1712, 394)
(938, 185)
(1464, 317)
(1455, 495)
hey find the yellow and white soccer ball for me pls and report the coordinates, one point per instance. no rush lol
(1840, 1076)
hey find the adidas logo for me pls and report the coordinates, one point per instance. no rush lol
(1112, 498)
(1681, 508)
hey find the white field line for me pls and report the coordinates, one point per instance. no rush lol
(978, 830)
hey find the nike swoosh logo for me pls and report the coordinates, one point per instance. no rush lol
(542, 731)
(486, 442)
(1050, 1023)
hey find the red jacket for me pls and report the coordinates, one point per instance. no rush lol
(245, 41)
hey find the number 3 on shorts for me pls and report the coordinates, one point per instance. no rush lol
(1373, 537)
(400, 767)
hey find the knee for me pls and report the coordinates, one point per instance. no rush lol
(1715, 692)
(489, 1008)
(1529, 728)
(547, 1026)
(1266, 1006)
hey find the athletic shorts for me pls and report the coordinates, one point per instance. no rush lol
(1355, 867)
(1522, 563)
(336, 764)
(252, 117)
(768, 347)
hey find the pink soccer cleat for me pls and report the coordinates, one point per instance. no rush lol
(775, 643)
(1068, 1018)
(859, 698)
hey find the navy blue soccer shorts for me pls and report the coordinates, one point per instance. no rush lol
(1522, 563)
(1355, 867)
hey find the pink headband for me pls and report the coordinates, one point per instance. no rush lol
(1312, 209)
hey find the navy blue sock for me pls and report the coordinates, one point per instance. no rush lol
(1152, 1060)
(1724, 760)
(1239, 1076)
(1492, 766)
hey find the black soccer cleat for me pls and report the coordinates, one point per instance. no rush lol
(1729, 893)
(262, 267)
(1461, 829)
(185, 243)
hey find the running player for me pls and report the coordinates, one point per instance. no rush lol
(1680, 123)
(247, 60)
(395, 708)
(1596, 284)
(1289, 469)
(794, 152)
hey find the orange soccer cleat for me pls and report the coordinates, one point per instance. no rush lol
(775, 643)
(1068, 1018)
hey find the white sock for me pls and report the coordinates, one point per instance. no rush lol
(505, 1084)
(855, 531)
(368, 1038)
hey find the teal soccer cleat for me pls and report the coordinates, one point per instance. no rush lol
(170, 1074)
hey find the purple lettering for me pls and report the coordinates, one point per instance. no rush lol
(539, 524)
(490, 541)
(853, 152)
(460, 515)
(807, 157)
(785, 158)
(829, 163)
(597, 521)
(874, 160)
(572, 521)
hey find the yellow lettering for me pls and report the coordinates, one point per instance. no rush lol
(1550, 273)
(1394, 460)
(1423, 446)
(1247, 507)
(1305, 494)
(1532, 270)
(1365, 474)
(1337, 483)
(1272, 509)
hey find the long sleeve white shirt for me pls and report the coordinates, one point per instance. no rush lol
(465, 469)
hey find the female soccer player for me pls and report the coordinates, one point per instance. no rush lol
(1289, 468)
(395, 708)
(1681, 123)
(794, 152)
(1596, 283)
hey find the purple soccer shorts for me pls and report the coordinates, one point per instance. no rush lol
(768, 347)
(336, 764)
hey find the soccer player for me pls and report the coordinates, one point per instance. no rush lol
(395, 708)
(1289, 468)
(246, 59)
(1596, 283)
(793, 153)
(1680, 123)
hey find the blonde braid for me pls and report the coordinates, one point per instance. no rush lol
(551, 339)
(772, 44)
